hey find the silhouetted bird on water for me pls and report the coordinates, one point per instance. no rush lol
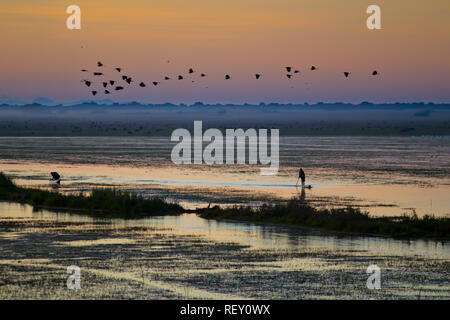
(99, 64)
(87, 83)
(346, 74)
(94, 93)
(227, 77)
(288, 69)
(56, 177)
(374, 73)
(98, 74)
(119, 88)
(142, 84)
(257, 76)
(118, 69)
(313, 68)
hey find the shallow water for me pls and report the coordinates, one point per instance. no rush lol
(384, 175)
(187, 257)
(254, 235)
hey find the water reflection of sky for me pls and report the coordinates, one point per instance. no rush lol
(390, 175)
(256, 236)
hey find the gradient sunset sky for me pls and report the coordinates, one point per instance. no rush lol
(40, 57)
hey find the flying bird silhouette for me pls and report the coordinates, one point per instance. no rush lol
(227, 77)
(191, 70)
(111, 82)
(88, 83)
(94, 93)
(289, 76)
(296, 71)
(129, 80)
(257, 76)
(374, 73)
(313, 68)
(124, 77)
(166, 78)
(118, 69)
(155, 83)
(106, 92)
(83, 70)
(288, 69)
(142, 84)
(346, 74)
(203, 75)
(99, 64)
(119, 88)
(98, 74)
(105, 84)
(180, 77)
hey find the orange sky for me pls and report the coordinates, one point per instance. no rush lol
(41, 57)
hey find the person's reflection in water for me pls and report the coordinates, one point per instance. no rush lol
(302, 197)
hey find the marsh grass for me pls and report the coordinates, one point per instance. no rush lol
(297, 213)
(101, 202)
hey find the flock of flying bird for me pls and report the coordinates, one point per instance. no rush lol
(110, 85)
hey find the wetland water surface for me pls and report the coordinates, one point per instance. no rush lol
(189, 257)
(384, 175)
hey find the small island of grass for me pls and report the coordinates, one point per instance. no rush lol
(100, 202)
(298, 213)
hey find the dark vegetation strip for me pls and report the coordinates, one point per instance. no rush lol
(101, 202)
(297, 213)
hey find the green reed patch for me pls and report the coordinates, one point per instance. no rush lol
(298, 213)
(101, 202)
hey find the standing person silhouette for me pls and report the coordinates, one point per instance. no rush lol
(302, 176)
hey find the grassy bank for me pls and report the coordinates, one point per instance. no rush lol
(101, 202)
(296, 213)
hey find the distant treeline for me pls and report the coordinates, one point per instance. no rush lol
(136, 119)
(318, 105)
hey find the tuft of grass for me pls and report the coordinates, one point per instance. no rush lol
(101, 202)
(298, 213)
